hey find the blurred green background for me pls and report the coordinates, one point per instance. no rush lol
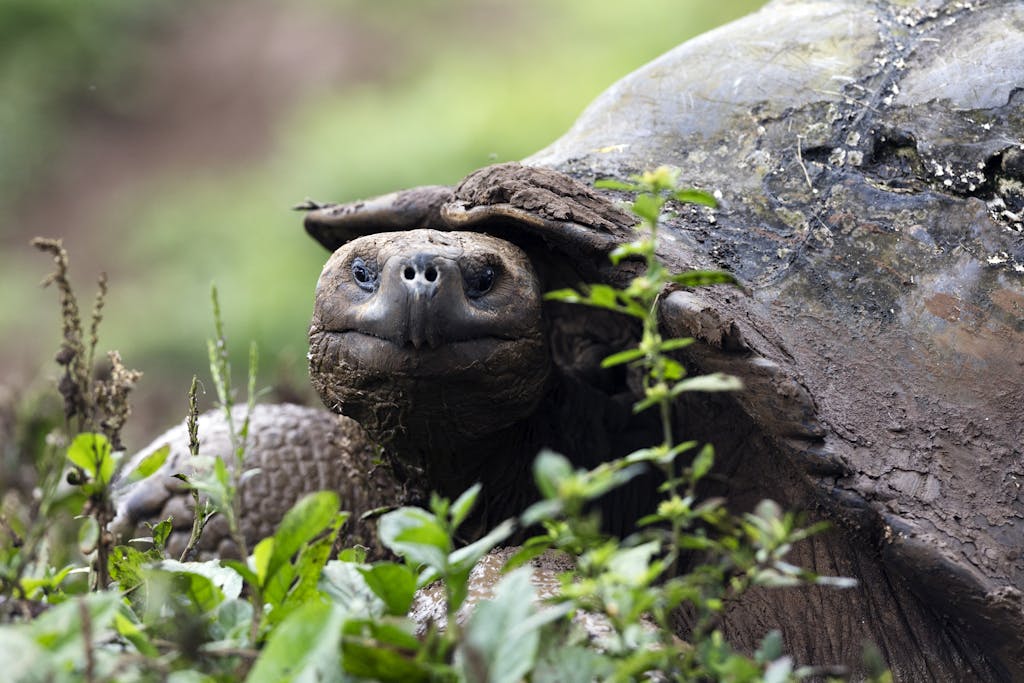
(165, 140)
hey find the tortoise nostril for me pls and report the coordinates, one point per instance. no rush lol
(409, 273)
(430, 274)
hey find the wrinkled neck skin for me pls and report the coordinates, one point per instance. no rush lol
(501, 462)
(585, 423)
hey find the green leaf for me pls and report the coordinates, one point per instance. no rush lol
(306, 576)
(779, 670)
(675, 344)
(220, 471)
(381, 651)
(439, 506)
(189, 676)
(768, 510)
(672, 370)
(736, 667)
(463, 505)
(709, 506)
(569, 296)
(132, 632)
(399, 634)
(703, 278)
(660, 454)
(717, 381)
(660, 179)
(261, 555)
(541, 511)
(497, 648)
(22, 659)
(635, 309)
(307, 518)
(550, 469)
(199, 582)
(209, 477)
(693, 196)
(771, 647)
(702, 463)
(91, 452)
(356, 554)
(305, 646)
(343, 583)
(602, 296)
(645, 403)
(242, 569)
(639, 249)
(527, 553)
(395, 584)
(126, 565)
(161, 531)
(648, 207)
(574, 664)
(603, 481)
(60, 631)
(225, 579)
(633, 565)
(35, 586)
(151, 463)
(621, 357)
(464, 558)
(415, 534)
(612, 184)
(88, 535)
(695, 543)
(232, 621)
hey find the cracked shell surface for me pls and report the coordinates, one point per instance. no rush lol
(867, 155)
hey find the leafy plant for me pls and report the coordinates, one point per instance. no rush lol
(95, 411)
(213, 478)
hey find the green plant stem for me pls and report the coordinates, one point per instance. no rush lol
(198, 515)
(90, 659)
(257, 615)
(666, 425)
(104, 544)
(220, 368)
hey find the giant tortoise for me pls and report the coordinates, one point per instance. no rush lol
(869, 156)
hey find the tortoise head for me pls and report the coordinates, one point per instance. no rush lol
(429, 323)
(425, 330)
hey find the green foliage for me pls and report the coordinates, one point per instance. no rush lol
(59, 645)
(91, 454)
(663, 378)
(502, 637)
(89, 441)
(305, 647)
(290, 613)
(427, 540)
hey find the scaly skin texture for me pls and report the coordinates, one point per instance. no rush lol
(298, 450)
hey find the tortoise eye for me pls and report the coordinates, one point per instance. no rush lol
(364, 274)
(480, 281)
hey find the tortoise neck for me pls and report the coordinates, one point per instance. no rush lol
(501, 462)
